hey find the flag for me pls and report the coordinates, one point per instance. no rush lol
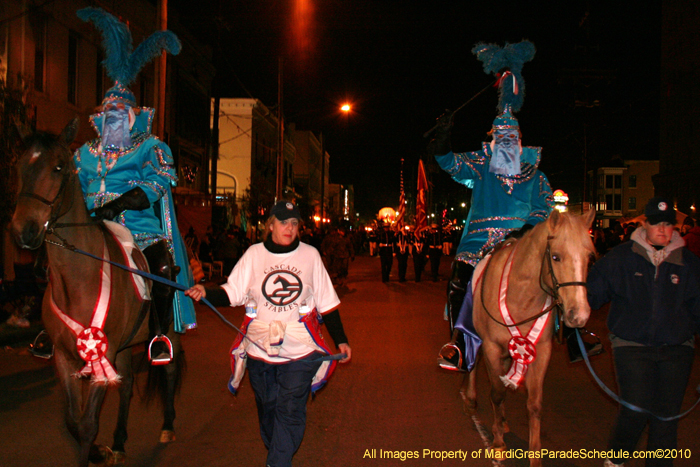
(402, 205)
(421, 220)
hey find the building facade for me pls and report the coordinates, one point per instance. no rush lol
(622, 192)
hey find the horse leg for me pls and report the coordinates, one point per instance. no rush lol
(172, 380)
(73, 392)
(90, 422)
(494, 365)
(468, 389)
(126, 391)
(534, 381)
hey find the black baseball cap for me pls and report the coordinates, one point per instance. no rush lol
(660, 209)
(284, 210)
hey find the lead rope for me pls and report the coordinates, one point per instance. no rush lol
(616, 398)
(181, 287)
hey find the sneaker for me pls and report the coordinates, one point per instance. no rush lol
(18, 321)
(450, 357)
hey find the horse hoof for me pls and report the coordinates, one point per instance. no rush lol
(167, 436)
(118, 459)
(100, 455)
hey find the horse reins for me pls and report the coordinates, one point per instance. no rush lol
(551, 291)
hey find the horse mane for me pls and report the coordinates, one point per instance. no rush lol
(570, 226)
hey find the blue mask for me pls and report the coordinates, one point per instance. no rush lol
(506, 153)
(115, 129)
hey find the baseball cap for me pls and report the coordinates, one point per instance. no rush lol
(284, 210)
(660, 209)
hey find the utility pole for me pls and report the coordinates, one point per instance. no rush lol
(215, 148)
(280, 135)
(161, 69)
(323, 180)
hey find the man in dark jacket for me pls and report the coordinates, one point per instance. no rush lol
(653, 286)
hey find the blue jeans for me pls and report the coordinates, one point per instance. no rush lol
(281, 392)
(655, 379)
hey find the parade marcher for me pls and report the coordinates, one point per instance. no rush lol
(283, 284)
(337, 251)
(446, 237)
(434, 250)
(419, 253)
(653, 286)
(372, 240)
(191, 240)
(386, 240)
(402, 249)
(126, 174)
(508, 191)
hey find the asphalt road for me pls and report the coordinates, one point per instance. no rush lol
(391, 397)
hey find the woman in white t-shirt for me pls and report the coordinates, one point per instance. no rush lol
(286, 289)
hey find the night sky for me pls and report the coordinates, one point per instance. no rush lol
(592, 88)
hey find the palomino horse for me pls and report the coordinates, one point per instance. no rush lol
(51, 200)
(513, 294)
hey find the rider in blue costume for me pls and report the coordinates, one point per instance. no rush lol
(127, 173)
(509, 193)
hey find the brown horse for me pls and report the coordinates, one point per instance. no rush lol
(51, 201)
(513, 294)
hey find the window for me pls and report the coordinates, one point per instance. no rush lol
(633, 181)
(632, 205)
(609, 181)
(613, 202)
(73, 67)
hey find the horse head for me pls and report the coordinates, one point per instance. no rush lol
(45, 172)
(569, 253)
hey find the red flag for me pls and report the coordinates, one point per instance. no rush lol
(421, 219)
(402, 205)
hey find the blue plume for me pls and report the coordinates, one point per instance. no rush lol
(512, 57)
(116, 40)
(151, 48)
(120, 63)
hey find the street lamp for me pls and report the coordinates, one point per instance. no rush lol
(345, 108)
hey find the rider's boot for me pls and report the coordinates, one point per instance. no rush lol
(591, 343)
(160, 350)
(451, 354)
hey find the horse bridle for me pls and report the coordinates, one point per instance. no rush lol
(57, 200)
(551, 291)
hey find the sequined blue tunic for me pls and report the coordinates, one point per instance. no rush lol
(148, 163)
(500, 203)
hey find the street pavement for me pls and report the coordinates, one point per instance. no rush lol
(391, 398)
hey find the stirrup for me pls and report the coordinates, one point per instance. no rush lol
(163, 358)
(451, 364)
(42, 346)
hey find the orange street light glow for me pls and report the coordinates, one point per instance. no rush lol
(345, 108)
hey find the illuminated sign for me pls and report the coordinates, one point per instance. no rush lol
(560, 197)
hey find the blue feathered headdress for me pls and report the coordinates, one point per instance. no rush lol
(122, 63)
(501, 60)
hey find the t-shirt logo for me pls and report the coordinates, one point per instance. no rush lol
(281, 288)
